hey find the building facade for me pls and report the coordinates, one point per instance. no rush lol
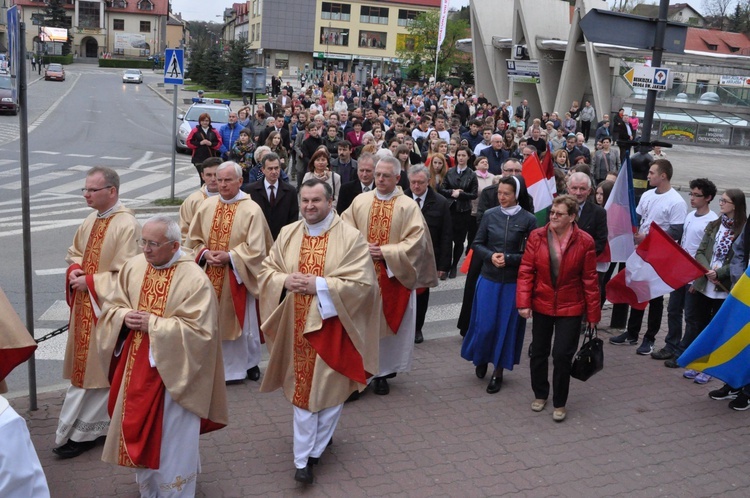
(128, 28)
(345, 35)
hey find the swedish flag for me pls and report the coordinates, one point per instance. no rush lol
(723, 348)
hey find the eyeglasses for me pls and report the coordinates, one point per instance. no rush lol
(512, 170)
(697, 196)
(94, 190)
(725, 201)
(153, 244)
(555, 214)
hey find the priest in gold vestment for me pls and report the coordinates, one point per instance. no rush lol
(107, 238)
(401, 249)
(230, 237)
(320, 315)
(167, 381)
(209, 188)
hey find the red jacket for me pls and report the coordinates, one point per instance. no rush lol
(577, 290)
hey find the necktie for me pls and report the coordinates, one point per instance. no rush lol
(419, 202)
(366, 189)
(272, 198)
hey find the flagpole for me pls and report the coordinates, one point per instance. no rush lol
(437, 54)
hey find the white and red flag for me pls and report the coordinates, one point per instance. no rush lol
(621, 218)
(657, 267)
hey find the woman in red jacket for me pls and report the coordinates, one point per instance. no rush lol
(557, 281)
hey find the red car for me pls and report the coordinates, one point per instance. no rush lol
(54, 72)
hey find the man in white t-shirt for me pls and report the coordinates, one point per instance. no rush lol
(664, 206)
(702, 192)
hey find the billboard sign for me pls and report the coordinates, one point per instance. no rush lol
(130, 41)
(48, 34)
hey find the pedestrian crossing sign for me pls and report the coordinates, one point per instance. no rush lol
(174, 66)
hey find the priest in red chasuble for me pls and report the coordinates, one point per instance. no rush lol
(167, 376)
(230, 238)
(401, 249)
(107, 238)
(321, 316)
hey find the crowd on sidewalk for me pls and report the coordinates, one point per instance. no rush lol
(396, 186)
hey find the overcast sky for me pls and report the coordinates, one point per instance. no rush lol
(200, 10)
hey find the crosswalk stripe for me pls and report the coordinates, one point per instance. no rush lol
(180, 187)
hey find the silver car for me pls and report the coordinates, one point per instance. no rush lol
(132, 76)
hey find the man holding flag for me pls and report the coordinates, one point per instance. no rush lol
(663, 206)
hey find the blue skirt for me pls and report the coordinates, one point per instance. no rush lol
(496, 330)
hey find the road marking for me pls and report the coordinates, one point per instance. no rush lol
(52, 224)
(46, 114)
(180, 187)
(115, 158)
(50, 271)
(143, 160)
(142, 182)
(80, 155)
(48, 152)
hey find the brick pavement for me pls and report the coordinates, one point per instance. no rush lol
(635, 429)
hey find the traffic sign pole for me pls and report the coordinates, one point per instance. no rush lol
(174, 74)
(174, 146)
(648, 113)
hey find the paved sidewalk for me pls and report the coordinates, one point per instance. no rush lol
(634, 429)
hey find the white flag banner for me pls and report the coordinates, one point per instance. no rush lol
(444, 5)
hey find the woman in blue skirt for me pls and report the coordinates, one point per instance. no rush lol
(496, 331)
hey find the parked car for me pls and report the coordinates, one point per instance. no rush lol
(132, 76)
(54, 72)
(216, 108)
(7, 104)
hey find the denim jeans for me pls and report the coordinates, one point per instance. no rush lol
(674, 318)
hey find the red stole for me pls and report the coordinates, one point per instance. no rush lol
(221, 230)
(143, 392)
(83, 317)
(394, 295)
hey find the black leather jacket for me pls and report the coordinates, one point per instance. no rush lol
(499, 232)
(467, 182)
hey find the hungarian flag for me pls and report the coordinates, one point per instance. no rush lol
(621, 218)
(540, 182)
(657, 267)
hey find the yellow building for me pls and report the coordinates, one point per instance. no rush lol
(346, 35)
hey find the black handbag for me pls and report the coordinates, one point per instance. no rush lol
(590, 358)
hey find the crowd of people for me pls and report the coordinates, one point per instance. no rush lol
(321, 223)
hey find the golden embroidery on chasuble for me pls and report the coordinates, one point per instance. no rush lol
(379, 228)
(153, 299)
(83, 318)
(312, 256)
(221, 230)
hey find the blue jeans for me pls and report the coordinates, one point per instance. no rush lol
(674, 318)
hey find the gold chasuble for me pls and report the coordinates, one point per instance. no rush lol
(319, 363)
(16, 344)
(100, 247)
(188, 208)
(237, 227)
(184, 343)
(398, 227)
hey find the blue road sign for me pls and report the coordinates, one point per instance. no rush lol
(660, 76)
(174, 66)
(14, 47)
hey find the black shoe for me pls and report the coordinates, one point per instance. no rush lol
(725, 392)
(305, 475)
(313, 460)
(452, 273)
(418, 337)
(671, 363)
(662, 354)
(380, 386)
(495, 384)
(481, 370)
(740, 403)
(72, 449)
(462, 332)
(235, 382)
(624, 339)
(254, 373)
(444, 276)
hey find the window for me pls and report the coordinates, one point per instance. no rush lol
(145, 26)
(713, 47)
(252, 38)
(119, 4)
(257, 32)
(88, 15)
(118, 24)
(334, 36)
(406, 17)
(336, 11)
(372, 39)
(145, 5)
(373, 15)
(282, 61)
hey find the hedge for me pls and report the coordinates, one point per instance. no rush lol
(58, 59)
(128, 63)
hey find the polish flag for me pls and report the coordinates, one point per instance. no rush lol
(540, 182)
(621, 218)
(657, 267)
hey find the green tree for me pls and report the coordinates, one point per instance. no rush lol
(55, 16)
(235, 58)
(213, 65)
(419, 50)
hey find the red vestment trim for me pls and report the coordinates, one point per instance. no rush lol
(11, 358)
(335, 347)
(395, 298)
(239, 298)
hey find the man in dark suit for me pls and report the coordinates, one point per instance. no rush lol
(277, 199)
(495, 154)
(364, 182)
(344, 165)
(272, 107)
(592, 218)
(436, 210)
(279, 126)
